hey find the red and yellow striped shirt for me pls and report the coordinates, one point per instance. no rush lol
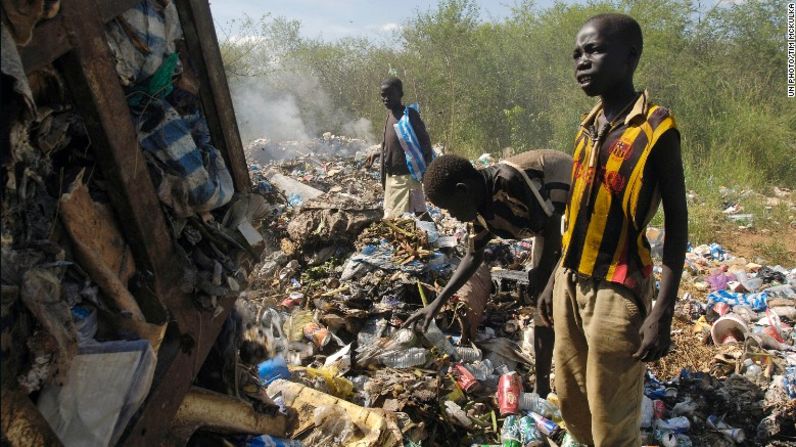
(611, 202)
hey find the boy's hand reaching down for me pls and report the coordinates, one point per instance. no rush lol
(421, 319)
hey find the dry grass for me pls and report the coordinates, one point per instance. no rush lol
(687, 351)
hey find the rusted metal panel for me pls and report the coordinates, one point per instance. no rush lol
(200, 37)
(22, 424)
(50, 37)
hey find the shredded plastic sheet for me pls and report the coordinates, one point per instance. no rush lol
(105, 386)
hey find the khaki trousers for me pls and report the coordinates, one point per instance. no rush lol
(402, 194)
(475, 294)
(598, 382)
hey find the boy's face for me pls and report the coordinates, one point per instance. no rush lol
(390, 96)
(601, 61)
(462, 204)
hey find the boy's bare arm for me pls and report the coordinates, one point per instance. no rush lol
(467, 267)
(668, 166)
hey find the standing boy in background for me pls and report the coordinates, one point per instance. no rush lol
(626, 161)
(405, 153)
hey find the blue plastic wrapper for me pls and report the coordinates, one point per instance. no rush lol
(653, 388)
(272, 369)
(717, 252)
(757, 301)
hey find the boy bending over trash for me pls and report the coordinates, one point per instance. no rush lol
(626, 161)
(520, 197)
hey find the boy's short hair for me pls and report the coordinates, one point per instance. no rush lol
(442, 175)
(392, 81)
(621, 25)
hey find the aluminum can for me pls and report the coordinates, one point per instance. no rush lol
(508, 393)
(318, 334)
(464, 377)
(510, 433)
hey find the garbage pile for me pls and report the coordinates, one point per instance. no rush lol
(732, 369)
(329, 307)
(263, 150)
(330, 298)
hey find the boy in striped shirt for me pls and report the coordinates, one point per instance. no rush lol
(626, 162)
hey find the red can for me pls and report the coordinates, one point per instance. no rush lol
(508, 393)
(658, 409)
(464, 377)
(721, 308)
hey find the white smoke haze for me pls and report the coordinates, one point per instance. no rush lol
(263, 113)
(290, 105)
(359, 128)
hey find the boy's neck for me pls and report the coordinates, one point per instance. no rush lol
(398, 110)
(616, 99)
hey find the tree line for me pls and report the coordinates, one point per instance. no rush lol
(486, 85)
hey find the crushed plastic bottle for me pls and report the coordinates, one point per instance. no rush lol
(435, 336)
(533, 402)
(733, 434)
(295, 200)
(405, 358)
(454, 411)
(482, 370)
(647, 412)
(272, 369)
(753, 370)
(467, 354)
(679, 424)
(668, 438)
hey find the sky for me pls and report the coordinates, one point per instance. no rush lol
(333, 19)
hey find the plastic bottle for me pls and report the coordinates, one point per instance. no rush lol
(753, 370)
(680, 424)
(734, 434)
(482, 370)
(467, 354)
(751, 284)
(435, 336)
(405, 359)
(533, 402)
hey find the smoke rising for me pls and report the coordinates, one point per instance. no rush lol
(290, 106)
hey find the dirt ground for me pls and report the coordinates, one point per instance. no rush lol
(752, 244)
